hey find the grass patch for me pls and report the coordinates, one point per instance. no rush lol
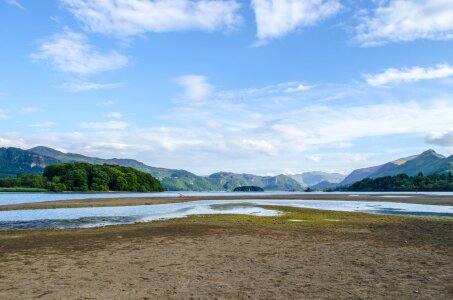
(336, 221)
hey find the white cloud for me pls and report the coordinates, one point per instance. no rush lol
(248, 131)
(440, 138)
(43, 125)
(15, 3)
(313, 158)
(260, 146)
(91, 86)
(196, 86)
(13, 142)
(29, 110)
(407, 20)
(130, 17)
(409, 75)
(276, 18)
(114, 115)
(70, 52)
(298, 88)
(111, 125)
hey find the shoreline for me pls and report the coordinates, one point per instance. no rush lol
(132, 201)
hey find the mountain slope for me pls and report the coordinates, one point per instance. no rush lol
(171, 179)
(315, 177)
(15, 161)
(181, 180)
(229, 181)
(428, 162)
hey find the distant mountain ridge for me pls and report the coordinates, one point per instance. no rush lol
(310, 179)
(429, 162)
(15, 161)
(36, 159)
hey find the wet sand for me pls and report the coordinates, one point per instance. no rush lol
(327, 255)
(412, 198)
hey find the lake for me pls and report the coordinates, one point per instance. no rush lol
(21, 198)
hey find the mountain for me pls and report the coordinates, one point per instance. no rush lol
(428, 162)
(309, 179)
(15, 161)
(174, 179)
(323, 185)
(229, 181)
(181, 180)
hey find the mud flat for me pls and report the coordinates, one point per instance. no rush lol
(325, 254)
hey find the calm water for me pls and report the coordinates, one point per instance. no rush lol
(19, 198)
(102, 216)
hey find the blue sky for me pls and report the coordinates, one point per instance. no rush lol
(261, 86)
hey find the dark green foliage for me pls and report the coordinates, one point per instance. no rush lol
(26, 180)
(84, 177)
(87, 177)
(404, 183)
(248, 188)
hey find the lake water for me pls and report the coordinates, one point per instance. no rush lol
(20, 198)
(103, 216)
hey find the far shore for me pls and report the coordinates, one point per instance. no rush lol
(119, 201)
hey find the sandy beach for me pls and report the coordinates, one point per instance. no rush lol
(304, 254)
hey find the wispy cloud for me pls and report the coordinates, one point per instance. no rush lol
(114, 115)
(43, 125)
(403, 21)
(392, 75)
(276, 18)
(127, 18)
(70, 52)
(29, 110)
(106, 103)
(110, 125)
(91, 86)
(15, 3)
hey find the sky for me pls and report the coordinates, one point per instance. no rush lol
(253, 86)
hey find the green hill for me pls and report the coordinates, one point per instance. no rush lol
(228, 181)
(85, 177)
(428, 163)
(14, 161)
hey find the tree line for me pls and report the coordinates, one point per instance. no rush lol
(247, 188)
(404, 183)
(84, 177)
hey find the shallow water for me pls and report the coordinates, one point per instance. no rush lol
(102, 216)
(21, 198)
